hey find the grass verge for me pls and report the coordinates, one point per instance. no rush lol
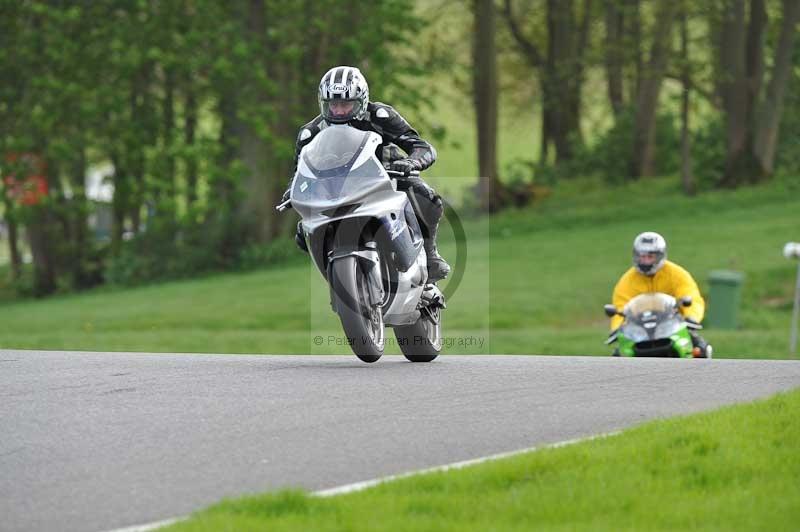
(732, 469)
(535, 281)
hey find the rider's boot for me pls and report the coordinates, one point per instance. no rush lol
(429, 208)
(438, 268)
(701, 349)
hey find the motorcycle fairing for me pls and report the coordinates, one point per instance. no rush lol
(653, 328)
(329, 186)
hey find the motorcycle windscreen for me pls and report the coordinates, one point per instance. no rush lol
(334, 148)
(655, 303)
(329, 160)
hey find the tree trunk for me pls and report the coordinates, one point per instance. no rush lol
(687, 178)
(734, 88)
(13, 243)
(485, 94)
(634, 18)
(79, 229)
(769, 114)
(560, 73)
(140, 109)
(119, 203)
(752, 122)
(266, 162)
(42, 251)
(544, 147)
(190, 127)
(167, 188)
(615, 22)
(580, 41)
(558, 76)
(256, 153)
(643, 153)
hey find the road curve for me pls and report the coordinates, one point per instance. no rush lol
(97, 441)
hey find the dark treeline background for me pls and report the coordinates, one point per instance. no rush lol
(194, 106)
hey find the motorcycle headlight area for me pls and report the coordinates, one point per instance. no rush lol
(668, 328)
(635, 333)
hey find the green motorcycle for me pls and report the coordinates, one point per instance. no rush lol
(653, 327)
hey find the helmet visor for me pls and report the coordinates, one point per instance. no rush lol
(648, 261)
(339, 110)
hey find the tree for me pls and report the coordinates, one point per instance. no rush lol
(615, 54)
(624, 59)
(561, 71)
(752, 115)
(643, 149)
(490, 189)
(687, 178)
(195, 103)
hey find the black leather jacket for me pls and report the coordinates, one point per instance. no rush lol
(385, 121)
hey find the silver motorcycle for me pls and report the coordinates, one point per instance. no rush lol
(363, 236)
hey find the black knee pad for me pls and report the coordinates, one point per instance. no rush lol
(300, 238)
(427, 203)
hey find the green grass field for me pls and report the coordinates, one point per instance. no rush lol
(732, 469)
(535, 281)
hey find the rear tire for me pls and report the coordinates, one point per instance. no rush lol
(421, 341)
(362, 324)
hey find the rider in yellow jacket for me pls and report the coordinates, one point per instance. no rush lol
(652, 272)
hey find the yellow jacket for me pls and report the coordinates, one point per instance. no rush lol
(670, 279)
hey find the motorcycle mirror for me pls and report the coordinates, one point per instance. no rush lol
(610, 310)
(686, 301)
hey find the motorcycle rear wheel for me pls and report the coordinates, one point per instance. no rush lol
(421, 341)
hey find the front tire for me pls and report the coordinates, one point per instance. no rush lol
(362, 323)
(421, 341)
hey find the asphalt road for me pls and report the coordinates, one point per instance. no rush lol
(97, 441)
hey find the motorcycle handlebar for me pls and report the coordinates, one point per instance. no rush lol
(415, 173)
(288, 203)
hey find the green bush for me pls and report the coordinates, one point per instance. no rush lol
(280, 251)
(170, 249)
(708, 153)
(608, 155)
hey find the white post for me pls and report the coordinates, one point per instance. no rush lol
(795, 314)
(792, 251)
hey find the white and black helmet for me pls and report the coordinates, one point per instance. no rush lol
(646, 244)
(343, 95)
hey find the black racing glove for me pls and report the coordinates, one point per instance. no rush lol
(406, 166)
(284, 198)
(612, 336)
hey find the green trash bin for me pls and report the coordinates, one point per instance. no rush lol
(724, 298)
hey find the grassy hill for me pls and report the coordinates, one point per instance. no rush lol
(731, 469)
(534, 281)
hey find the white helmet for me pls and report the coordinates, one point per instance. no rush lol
(343, 95)
(645, 246)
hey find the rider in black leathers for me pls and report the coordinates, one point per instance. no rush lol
(344, 98)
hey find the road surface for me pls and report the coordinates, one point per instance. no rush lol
(98, 441)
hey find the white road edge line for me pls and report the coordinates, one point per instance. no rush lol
(151, 526)
(359, 486)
